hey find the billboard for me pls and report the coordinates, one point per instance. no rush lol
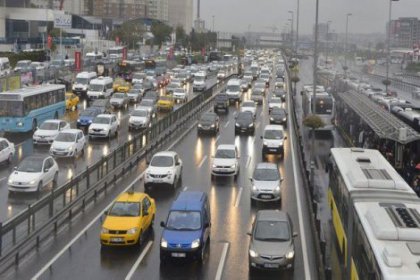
(62, 20)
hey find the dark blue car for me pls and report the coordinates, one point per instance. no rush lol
(186, 233)
(86, 117)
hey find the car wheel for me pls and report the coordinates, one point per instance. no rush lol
(253, 202)
(140, 241)
(34, 125)
(153, 220)
(39, 186)
(109, 135)
(56, 116)
(175, 183)
(263, 156)
(83, 151)
(55, 180)
(9, 158)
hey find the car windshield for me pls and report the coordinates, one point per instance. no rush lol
(184, 220)
(125, 209)
(118, 95)
(279, 93)
(30, 165)
(278, 113)
(225, 153)
(139, 113)
(199, 78)
(245, 117)
(221, 98)
(96, 87)
(132, 92)
(165, 98)
(83, 81)
(49, 126)
(179, 90)
(259, 86)
(275, 100)
(162, 161)
(147, 102)
(208, 117)
(101, 120)
(266, 174)
(233, 88)
(248, 104)
(272, 231)
(65, 137)
(88, 113)
(273, 134)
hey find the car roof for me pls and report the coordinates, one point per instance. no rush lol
(130, 197)
(71, 130)
(53, 121)
(36, 157)
(189, 200)
(227, 147)
(273, 127)
(272, 215)
(166, 153)
(105, 115)
(266, 165)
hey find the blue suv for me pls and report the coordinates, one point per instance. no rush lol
(86, 117)
(186, 232)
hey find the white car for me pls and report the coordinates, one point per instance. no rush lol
(165, 169)
(104, 125)
(274, 102)
(68, 143)
(249, 106)
(48, 130)
(273, 140)
(139, 119)
(225, 161)
(33, 173)
(7, 150)
(180, 94)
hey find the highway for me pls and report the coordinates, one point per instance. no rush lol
(77, 253)
(12, 203)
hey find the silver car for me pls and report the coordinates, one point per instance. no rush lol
(266, 181)
(272, 241)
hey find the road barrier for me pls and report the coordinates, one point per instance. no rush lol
(30, 228)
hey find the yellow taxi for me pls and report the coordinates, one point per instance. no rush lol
(72, 100)
(165, 103)
(128, 219)
(120, 85)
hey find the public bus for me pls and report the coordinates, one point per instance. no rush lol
(22, 110)
(324, 105)
(375, 218)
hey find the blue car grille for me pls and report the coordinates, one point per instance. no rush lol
(180, 245)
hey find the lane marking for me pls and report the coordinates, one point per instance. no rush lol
(248, 161)
(139, 260)
(298, 191)
(202, 161)
(238, 198)
(217, 138)
(222, 262)
(59, 254)
(226, 124)
(184, 189)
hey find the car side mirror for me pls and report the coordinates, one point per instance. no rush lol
(249, 233)
(207, 224)
(46, 170)
(295, 234)
(145, 213)
(162, 224)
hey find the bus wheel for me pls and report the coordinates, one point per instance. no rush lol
(56, 115)
(34, 125)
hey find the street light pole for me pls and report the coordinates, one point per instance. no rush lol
(314, 94)
(213, 23)
(297, 26)
(388, 48)
(291, 35)
(345, 45)
(327, 44)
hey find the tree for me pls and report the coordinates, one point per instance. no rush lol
(130, 32)
(161, 32)
(313, 122)
(181, 36)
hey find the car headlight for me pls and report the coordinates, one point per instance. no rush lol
(19, 124)
(199, 125)
(10, 181)
(265, 143)
(164, 243)
(277, 189)
(290, 255)
(32, 182)
(89, 121)
(78, 120)
(70, 148)
(284, 119)
(195, 243)
(104, 230)
(254, 189)
(214, 166)
(271, 119)
(212, 126)
(237, 124)
(251, 125)
(252, 253)
(132, 230)
(233, 166)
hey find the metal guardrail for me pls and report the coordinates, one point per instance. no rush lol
(27, 230)
(404, 86)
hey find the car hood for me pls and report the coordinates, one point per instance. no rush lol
(116, 100)
(249, 109)
(274, 104)
(181, 236)
(224, 161)
(267, 185)
(99, 126)
(49, 133)
(137, 119)
(19, 176)
(62, 145)
(121, 223)
(243, 122)
(86, 118)
(159, 170)
(206, 123)
(278, 248)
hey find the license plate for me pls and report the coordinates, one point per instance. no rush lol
(117, 239)
(178, 255)
(271, 265)
(265, 196)
(158, 180)
(273, 150)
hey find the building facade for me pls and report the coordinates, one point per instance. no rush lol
(405, 32)
(181, 14)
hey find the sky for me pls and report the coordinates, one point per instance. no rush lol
(367, 15)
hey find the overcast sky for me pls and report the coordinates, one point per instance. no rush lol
(368, 15)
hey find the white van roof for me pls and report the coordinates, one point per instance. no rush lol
(86, 74)
(102, 80)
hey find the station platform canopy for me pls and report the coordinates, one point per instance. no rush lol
(382, 122)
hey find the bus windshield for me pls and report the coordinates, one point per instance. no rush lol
(83, 81)
(323, 105)
(11, 109)
(96, 87)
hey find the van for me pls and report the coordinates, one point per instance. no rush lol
(100, 88)
(22, 66)
(4, 66)
(273, 140)
(80, 86)
(233, 90)
(186, 232)
(200, 81)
